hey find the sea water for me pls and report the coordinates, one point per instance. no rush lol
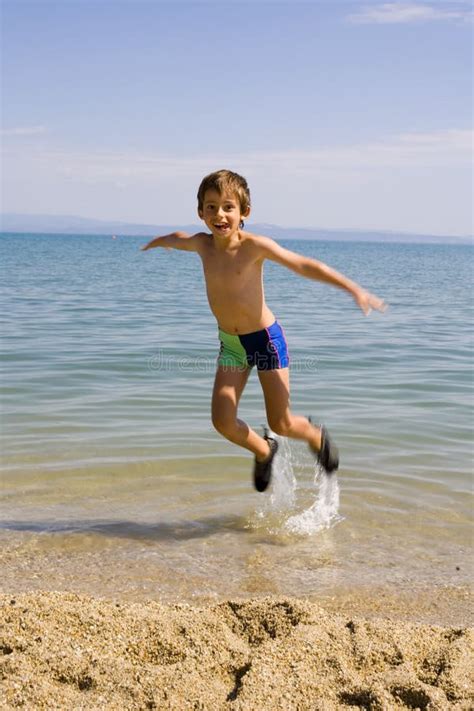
(115, 483)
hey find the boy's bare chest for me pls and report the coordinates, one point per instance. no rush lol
(229, 270)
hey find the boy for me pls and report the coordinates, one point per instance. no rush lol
(249, 335)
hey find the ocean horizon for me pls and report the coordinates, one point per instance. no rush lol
(73, 225)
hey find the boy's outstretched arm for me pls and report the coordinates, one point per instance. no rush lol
(175, 240)
(312, 269)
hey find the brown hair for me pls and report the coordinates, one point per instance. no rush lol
(225, 181)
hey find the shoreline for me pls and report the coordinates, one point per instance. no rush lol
(73, 651)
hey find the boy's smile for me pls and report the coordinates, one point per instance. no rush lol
(221, 213)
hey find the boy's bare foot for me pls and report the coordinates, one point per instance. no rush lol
(262, 471)
(328, 454)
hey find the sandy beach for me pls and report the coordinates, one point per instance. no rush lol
(70, 651)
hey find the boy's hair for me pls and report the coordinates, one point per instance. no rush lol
(225, 181)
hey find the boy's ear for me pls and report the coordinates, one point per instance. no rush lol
(247, 212)
(200, 213)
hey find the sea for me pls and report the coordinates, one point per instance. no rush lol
(114, 482)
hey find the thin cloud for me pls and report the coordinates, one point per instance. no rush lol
(392, 13)
(404, 150)
(407, 150)
(23, 131)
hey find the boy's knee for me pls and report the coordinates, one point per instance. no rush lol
(280, 427)
(224, 425)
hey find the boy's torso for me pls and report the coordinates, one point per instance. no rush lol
(234, 284)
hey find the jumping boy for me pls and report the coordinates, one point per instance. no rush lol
(249, 335)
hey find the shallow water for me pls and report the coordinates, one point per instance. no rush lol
(114, 481)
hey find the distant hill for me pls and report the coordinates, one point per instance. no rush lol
(71, 224)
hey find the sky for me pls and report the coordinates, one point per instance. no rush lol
(343, 114)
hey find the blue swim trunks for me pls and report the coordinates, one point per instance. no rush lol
(267, 349)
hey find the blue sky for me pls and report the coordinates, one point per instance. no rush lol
(340, 114)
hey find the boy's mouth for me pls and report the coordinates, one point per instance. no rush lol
(221, 226)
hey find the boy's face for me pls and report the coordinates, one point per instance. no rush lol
(221, 213)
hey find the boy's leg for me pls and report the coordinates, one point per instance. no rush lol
(276, 390)
(229, 385)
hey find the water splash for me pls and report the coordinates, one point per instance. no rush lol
(281, 500)
(282, 494)
(323, 513)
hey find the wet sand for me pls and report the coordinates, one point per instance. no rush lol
(70, 651)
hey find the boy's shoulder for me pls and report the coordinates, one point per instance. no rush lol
(264, 247)
(196, 241)
(256, 240)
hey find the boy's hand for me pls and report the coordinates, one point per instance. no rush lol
(367, 301)
(149, 245)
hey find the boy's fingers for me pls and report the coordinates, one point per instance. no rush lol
(380, 305)
(372, 302)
